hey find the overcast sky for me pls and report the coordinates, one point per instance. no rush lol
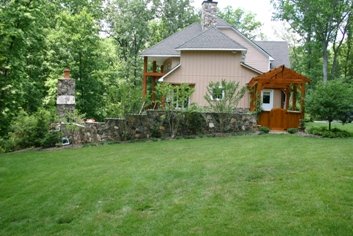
(263, 10)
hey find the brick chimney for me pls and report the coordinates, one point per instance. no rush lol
(209, 14)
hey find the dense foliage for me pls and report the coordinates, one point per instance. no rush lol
(98, 40)
(329, 133)
(174, 100)
(323, 43)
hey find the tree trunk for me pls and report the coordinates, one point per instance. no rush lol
(329, 124)
(325, 61)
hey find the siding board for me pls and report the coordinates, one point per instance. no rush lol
(253, 57)
(200, 68)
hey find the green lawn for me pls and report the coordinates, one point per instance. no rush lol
(258, 185)
(339, 125)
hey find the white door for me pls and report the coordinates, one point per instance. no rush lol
(267, 99)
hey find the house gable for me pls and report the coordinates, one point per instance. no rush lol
(212, 40)
(254, 57)
(278, 50)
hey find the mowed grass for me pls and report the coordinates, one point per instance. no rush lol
(348, 127)
(246, 185)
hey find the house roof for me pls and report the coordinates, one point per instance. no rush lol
(167, 46)
(223, 24)
(192, 37)
(278, 50)
(211, 39)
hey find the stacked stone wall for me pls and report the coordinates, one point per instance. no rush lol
(159, 124)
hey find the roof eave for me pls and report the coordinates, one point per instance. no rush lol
(211, 49)
(251, 68)
(151, 55)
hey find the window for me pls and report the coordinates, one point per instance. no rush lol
(182, 104)
(266, 97)
(179, 102)
(218, 93)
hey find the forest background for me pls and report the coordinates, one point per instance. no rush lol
(100, 41)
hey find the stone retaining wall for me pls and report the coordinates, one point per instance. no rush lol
(161, 124)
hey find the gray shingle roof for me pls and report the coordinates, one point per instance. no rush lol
(167, 46)
(222, 23)
(278, 50)
(211, 39)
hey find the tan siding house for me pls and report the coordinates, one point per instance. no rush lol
(202, 67)
(254, 57)
(210, 51)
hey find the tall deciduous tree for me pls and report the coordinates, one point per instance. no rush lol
(243, 21)
(323, 21)
(22, 46)
(174, 15)
(128, 26)
(74, 42)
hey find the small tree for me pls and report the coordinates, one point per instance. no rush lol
(174, 100)
(330, 101)
(123, 98)
(223, 97)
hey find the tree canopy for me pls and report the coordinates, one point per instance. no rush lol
(331, 101)
(325, 27)
(245, 22)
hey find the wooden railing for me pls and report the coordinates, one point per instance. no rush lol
(280, 119)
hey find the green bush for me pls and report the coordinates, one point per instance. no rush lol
(333, 133)
(264, 130)
(194, 122)
(292, 130)
(3, 145)
(326, 103)
(32, 131)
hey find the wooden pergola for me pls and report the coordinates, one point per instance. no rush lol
(289, 82)
(153, 75)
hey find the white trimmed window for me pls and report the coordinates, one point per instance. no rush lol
(267, 99)
(174, 100)
(218, 93)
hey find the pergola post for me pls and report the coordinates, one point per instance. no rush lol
(302, 101)
(154, 69)
(294, 99)
(253, 100)
(258, 92)
(144, 79)
(287, 97)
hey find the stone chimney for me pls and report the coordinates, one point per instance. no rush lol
(209, 14)
(65, 101)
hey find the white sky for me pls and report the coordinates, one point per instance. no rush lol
(263, 9)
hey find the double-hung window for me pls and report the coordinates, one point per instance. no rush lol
(218, 93)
